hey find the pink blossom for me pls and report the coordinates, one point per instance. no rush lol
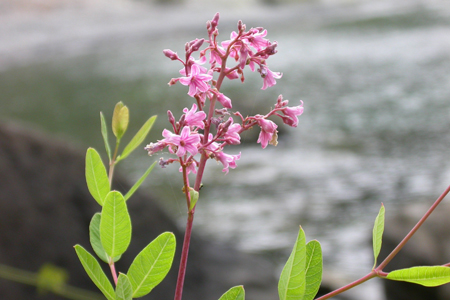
(187, 141)
(232, 135)
(257, 40)
(269, 77)
(194, 117)
(227, 160)
(291, 114)
(196, 81)
(268, 132)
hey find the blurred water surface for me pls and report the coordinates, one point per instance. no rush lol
(374, 76)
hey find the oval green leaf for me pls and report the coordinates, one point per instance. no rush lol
(124, 291)
(152, 264)
(139, 182)
(378, 229)
(235, 293)
(104, 130)
(95, 272)
(115, 225)
(313, 269)
(94, 237)
(96, 177)
(426, 276)
(138, 138)
(292, 281)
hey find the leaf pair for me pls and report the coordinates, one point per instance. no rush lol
(147, 270)
(119, 129)
(429, 276)
(97, 179)
(302, 274)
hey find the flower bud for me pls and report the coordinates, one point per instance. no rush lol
(197, 44)
(170, 54)
(215, 20)
(171, 117)
(120, 120)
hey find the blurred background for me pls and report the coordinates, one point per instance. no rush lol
(374, 77)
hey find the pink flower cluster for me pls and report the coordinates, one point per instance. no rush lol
(206, 130)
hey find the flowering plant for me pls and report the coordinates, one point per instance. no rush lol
(203, 132)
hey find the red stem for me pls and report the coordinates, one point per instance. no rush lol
(198, 182)
(184, 256)
(378, 271)
(348, 286)
(113, 272)
(411, 233)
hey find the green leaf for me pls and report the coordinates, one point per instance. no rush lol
(120, 119)
(152, 264)
(194, 198)
(96, 177)
(313, 269)
(124, 291)
(94, 236)
(105, 135)
(115, 225)
(235, 293)
(137, 139)
(95, 272)
(292, 281)
(51, 278)
(426, 276)
(378, 229)
(139, 182)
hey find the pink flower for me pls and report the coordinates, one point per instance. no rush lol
(186, 142)
(269, 77)
(232, 135)
(291, 114)
(257, 40)
(227, 160)
(196, 81)
(193, 118)
(268, 134)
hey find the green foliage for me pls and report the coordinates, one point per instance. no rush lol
(51, 278)
(124, 291)
(115, 225)
(95, 272)
(426, 276)
(96, 177)
(302, 274)
(94, 236)
(105, 135)
(378, 229)
(138, 138)
(313, 269)
(120, 119)
(139, 182)
(292, 281)
(235, 293)
(152, 264)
